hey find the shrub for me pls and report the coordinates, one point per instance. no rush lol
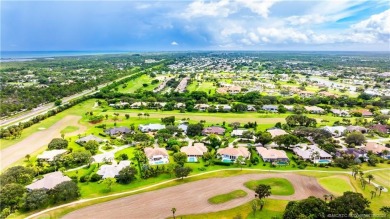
(222, 163)
(83, 179)
(58, 143)
(95, 177)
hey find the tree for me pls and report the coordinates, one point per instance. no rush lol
(180, 158)
(350, 202)
(65, 191)
(11, 195)
(27, 157)
(373, 193)
(263, 137)
(58, 102)
(58, 143)
(372, 160)
(35, 199)
(385, 210)
(173, 212)
(126, 175)
(170, 120)
(214, 141)
(300, 120)
(181, 171)
(17, 174)
(311, 207)
(286, 140)
(380, 189)
(254, 207)
(240, 161)
(127, 116)
(382, 119)
(194, 129)
(108, 182)
(370, 177)
(92, 146)
(263, 191)
(355, 138)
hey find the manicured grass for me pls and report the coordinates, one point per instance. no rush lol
(337, 184)
(227, 197)
(272, 208)
(69, 129)
(382, 178)
(136, 84)
(279, 186)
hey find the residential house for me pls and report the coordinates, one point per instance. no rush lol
(213, 130)
(384, 129)
(49, 181)
(251, 108)
(231, 154)
(314, 109)
(327, 94)
(117, 131)
(194, 152)
(138, 105)
(354, 128)
(183, 127)
(271, 155)
(313, 153)
(180, 105)
(357, 153)
(376, 148)
(306, 94)
(364, 112)
(289, 107)
(201, 107)
(85, 139)
(271, 108)
(151, 127)
(157, 155)
(336, 131)
(338, 112)
(238, 132)
(223, 108)
(50, 155)
(112, 171)
(385, 111)
(276, 132)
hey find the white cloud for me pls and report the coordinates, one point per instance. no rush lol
(377, 27)
(174, 43)
(309, 19)
(260, 7)
(214, 9)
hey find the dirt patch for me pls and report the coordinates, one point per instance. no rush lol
(191, 198)
(37, 140)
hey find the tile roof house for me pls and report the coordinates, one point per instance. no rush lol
(50, 155)
(270, 155)
(238, 132)
(157, 155)
(49, 181)
(151, 127)
(353, 128)
(201, 107)
(117, 131)
(213, 130)
(85, 139)
(233, 153)
(375, 147)
(194, 151)
(276, 132)
(271, 108)
(138, 105)
(364, 112)
(339, 112)
(314, 109)
(335, 130)
(112, 170)
(381, 128)
(313, 153)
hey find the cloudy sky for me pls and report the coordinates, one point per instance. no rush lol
(195, 25)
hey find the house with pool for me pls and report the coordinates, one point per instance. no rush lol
(272, 155)
(229, 155)
(157, 155)
(194, 152)
(313, 153)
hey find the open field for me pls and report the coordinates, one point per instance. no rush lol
(218, 199)
(279, 186)
(37, 140)
(382, 178)
(136, 84)
(69, 129)
(157, 204)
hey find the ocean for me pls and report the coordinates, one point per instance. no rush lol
(27, 55)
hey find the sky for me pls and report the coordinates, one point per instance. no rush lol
(183, 25)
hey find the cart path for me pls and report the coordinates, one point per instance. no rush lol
(191, 198)
(37, 140)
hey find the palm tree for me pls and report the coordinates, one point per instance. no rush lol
(355, 171)
(370, 177)
(326, 197)
(173, 212)
(139, 115)
(254, 207)
(331, 197)
(372, 194)
(380, 189)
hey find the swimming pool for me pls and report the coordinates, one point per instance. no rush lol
(282, 163)
(323, 161)
(226, 160)
(159, 162)
(192, 159)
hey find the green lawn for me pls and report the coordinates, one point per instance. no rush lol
(382, 178)
(69, 129)
(337, 184)
(279, 186)
(227, 197)
(272, 208)
(136, 84)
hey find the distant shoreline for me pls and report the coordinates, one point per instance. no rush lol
(11, 56)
